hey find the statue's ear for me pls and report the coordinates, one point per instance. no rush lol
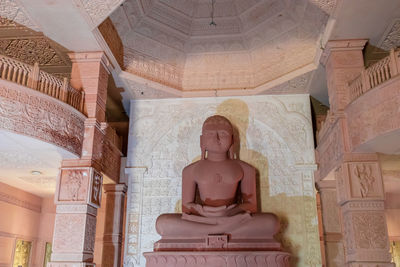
(203, 149)
(232, 149)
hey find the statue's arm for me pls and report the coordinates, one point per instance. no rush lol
(188, 191)
(248, 189)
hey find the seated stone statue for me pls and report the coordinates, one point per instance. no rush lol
(219, 201)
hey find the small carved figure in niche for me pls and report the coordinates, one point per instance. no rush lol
(364, 175)
(96, 187)
(74, 184)
(218, 198)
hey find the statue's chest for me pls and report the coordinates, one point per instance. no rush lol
(219, 174)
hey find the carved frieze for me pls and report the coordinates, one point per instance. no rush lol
(28, 112)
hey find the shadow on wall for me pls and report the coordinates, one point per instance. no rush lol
(289, 209)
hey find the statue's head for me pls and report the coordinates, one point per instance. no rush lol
(217, 136)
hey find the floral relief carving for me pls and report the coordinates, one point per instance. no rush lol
(25, 111)
(370, 230)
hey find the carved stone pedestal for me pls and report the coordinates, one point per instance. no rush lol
(217, 259)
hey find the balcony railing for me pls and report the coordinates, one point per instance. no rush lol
(375, 75)
(34, 78)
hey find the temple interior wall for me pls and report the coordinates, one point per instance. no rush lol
(29, 218)
(390, 165)
(273, 133)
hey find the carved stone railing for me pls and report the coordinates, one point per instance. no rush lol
(375, 75)
(34, 78)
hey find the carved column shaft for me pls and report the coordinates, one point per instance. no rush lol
(77, 198)
(79, 185)
(332, 225)
(113, 227)
(361, 200)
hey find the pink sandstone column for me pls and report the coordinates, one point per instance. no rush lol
(361, 199)
(331, 222)
(358, 177)
(113, 227)
(78, 193)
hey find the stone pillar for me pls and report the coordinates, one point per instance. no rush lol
(358, 177)
(113, 227)
(343, 60)
(361, 199)
(78, 196)
(331, 222)
(78, 193)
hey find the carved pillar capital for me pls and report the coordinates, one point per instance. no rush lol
(90, 74)
(343, 60)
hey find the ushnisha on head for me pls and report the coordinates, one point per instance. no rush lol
(217, 136)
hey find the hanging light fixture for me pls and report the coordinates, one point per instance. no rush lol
(212, 23)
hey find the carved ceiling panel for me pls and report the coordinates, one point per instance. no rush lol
(12, 14)
(391, 37)
(253, 43)
(29, 46)
(97, 11)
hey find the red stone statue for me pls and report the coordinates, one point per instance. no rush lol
(219, 201)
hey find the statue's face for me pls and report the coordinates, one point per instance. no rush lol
(217, 138)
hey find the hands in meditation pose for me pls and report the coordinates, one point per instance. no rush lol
(219, 196)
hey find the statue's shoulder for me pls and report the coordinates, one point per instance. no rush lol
(245, 166)
(189, 168)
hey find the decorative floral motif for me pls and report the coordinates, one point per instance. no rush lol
(370, 230)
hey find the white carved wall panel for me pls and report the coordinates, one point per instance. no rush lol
(275, 136)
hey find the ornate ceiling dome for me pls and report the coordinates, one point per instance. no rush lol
(253, 43)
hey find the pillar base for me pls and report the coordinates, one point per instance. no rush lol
(217, 259)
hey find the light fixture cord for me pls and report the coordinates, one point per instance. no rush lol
(212, 14)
